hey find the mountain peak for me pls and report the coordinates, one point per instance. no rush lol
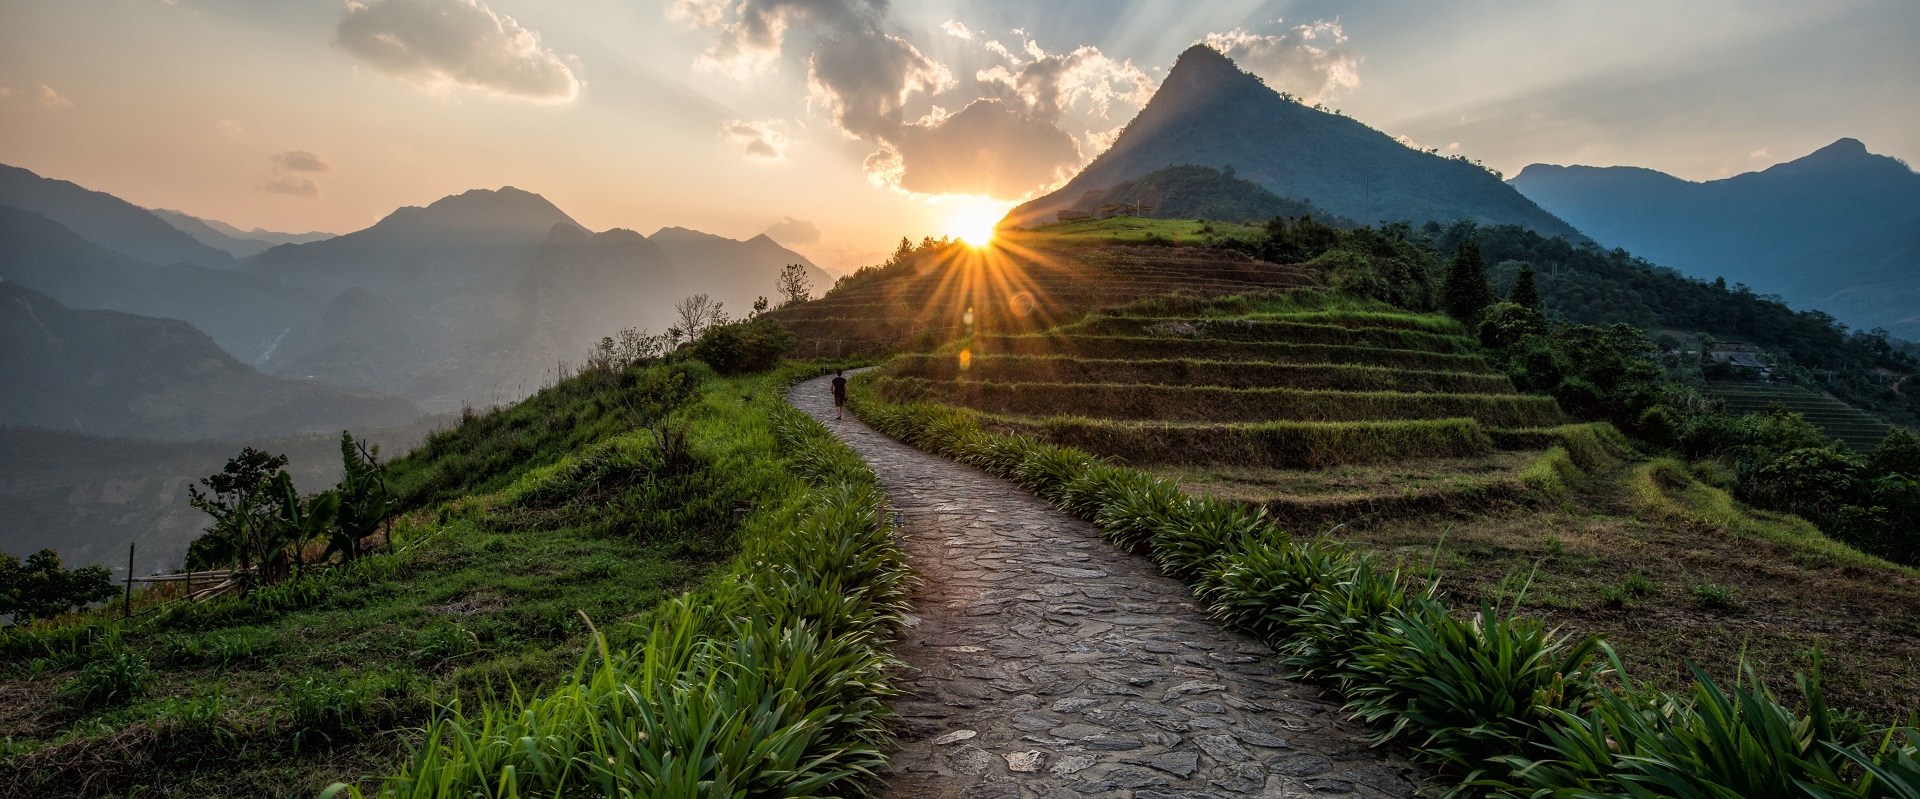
(1844, 156)
(1200, 71)
(503, 209)
(681, 234)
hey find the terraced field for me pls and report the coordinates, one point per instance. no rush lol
(1859, 430)
(1016, 289)
(1324, 409)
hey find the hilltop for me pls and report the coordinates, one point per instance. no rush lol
(1208, 112)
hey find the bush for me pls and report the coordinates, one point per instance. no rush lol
(742, 347)
(111, 680)
(39, 587)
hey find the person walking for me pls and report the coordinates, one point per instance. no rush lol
(839, 393)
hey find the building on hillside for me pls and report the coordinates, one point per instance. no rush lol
(1070, 214)
(1739, 356)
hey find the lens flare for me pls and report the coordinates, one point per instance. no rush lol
(966, 360)
(974, 224)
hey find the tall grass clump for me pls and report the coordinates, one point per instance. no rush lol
(772, 680)
(1498, 702)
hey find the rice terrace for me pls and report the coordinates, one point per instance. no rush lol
(1229, 448)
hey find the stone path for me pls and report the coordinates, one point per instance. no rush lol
(1045, 663)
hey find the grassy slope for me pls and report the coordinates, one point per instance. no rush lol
(483, 597)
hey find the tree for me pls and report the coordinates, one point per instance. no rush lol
(39, 587)
(244, 508)
(794, 285)
(364, 503)
(1467, 292)
(697, 313)
(1524, 292)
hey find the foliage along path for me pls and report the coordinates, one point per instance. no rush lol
(1045, 663)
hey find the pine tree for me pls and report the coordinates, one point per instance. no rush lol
(1467, 292)
(1524, 291)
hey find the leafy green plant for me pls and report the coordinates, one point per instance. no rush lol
(1626, 592)
(1710, 595)
(107, 681)
(203, 717)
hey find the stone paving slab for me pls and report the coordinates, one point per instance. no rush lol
(1045, 663)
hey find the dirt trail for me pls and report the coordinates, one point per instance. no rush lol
(1048, 664)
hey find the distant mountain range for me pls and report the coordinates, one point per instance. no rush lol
(232, 240)
(473, 299)
(1837, 230)
(105, 220)
(115, 374)
(1209, 113)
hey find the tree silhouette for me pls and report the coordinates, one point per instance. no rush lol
(697, 313)
(1467, 292)
(794, 285)
(1524, 291)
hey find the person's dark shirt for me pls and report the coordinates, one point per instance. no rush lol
(839, 387)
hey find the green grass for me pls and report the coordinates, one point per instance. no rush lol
(1191, 372)
(1282, 445)
(486, 595)
(1125, 347)
(1132, 230)
(1276, 330)
(1177, 403)
(1665, 489)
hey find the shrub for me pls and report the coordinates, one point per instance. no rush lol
(107, 681)
(38, 587)
(741, 347)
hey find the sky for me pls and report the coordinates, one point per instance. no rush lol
(838, 126)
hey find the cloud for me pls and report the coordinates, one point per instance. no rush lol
(232, 129)
(1760, 153)
(794, 232)
(299, 161)
(7, 91)
(986, 148)
(764, 140)
(1311, 61)
(442, 43)
(1048, 84)
(52, 99)
(753, 32)
(864, 82)
(1006, 142)
(284, 174)
(293, 185)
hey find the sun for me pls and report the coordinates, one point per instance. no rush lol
(974, 225)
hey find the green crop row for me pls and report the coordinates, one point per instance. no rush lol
(1590, 445)
(1277, 331)
(1278, 445)
(1215, 404)
(1095, 346)
(1193, 372)
(772, 681)
(1497, 701)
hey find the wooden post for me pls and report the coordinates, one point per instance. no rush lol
(189, 584)
(126, 606)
